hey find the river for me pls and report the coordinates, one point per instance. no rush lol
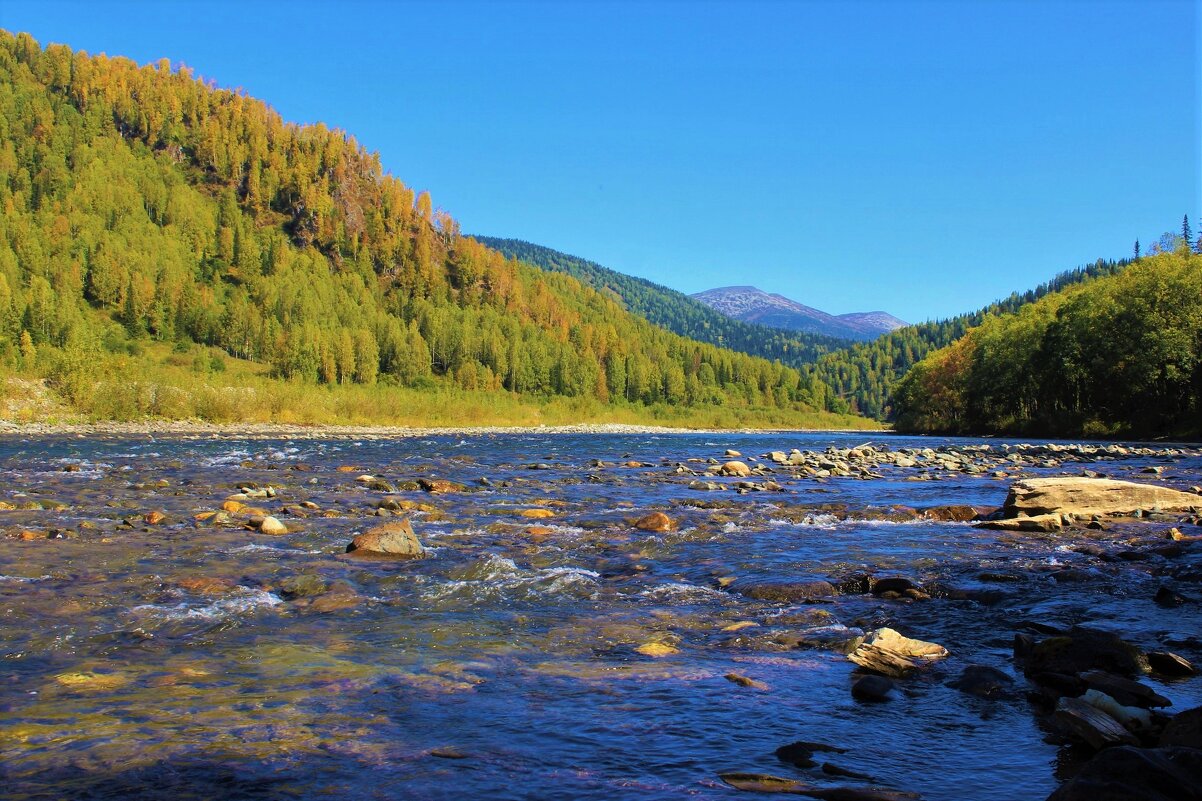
(179, 658)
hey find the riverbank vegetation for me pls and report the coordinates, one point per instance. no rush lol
(1116, 356)
(146, 210)
(861, 378)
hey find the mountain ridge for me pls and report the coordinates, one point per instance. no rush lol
(752, 304)
(674, 310)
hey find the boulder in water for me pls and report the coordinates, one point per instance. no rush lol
(1137, 774)
(656, 522)
(1082, 497)
(390, 541)
(788, 591)
(739, 469)
(887, 652)
(1082, 649)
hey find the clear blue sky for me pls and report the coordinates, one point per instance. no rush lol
(921, 158)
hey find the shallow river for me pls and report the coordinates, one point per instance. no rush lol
(185, 659)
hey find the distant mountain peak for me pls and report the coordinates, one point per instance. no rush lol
(754, 305)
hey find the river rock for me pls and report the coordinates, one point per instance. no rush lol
(983, 681)
(1086, 722)
(739, 469)
(894, 584)
(655, 522)
(1082, 497)
(788, 591)
(1167, 663)
(1043, 523)
(1082, 649)
(438, 485)
(887, 652)
(1137, 774)
(954, 513)
(706, 486)
(872, 688)
(390, 540)
(1185, 728)
(272, 526)
(745, 681)
(1125, 691)
(376, 484)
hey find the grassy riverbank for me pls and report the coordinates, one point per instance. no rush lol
(209, 387)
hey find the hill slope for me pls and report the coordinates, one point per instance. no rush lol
(1118, 356)
(752, 305)
(674, 310)
(141, 205)
(862, 377)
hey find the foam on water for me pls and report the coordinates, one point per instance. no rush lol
(494, 577)
(680, 592)
(247, 600)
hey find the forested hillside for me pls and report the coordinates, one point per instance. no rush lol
(142, 205)
(1119, 356)
(862, 377)
(674, 310)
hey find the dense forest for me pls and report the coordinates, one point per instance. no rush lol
(674, 310)
(862, 377)
(1118, 356)
(142, 205)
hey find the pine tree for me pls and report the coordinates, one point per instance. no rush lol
(1137, 250)
(1186, 234)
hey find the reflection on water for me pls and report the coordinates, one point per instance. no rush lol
(566, 656)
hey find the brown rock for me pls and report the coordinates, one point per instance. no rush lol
(1045, 523)
(154, 518)
(391, 540)
(272, 526)
(335, 601)
(739, 469)
(788, 591)
(206, 585)
(656, 521)
(956, 513)
(744, 681)
(1082, 497)
(439, 485)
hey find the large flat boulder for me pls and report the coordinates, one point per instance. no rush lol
(1082, 497)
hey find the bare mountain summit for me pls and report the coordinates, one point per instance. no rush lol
(753, 305)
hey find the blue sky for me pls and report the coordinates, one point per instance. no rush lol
(920, 158)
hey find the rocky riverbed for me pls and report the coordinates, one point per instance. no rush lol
(584, 613)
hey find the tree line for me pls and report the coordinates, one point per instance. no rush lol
(1118, 356)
